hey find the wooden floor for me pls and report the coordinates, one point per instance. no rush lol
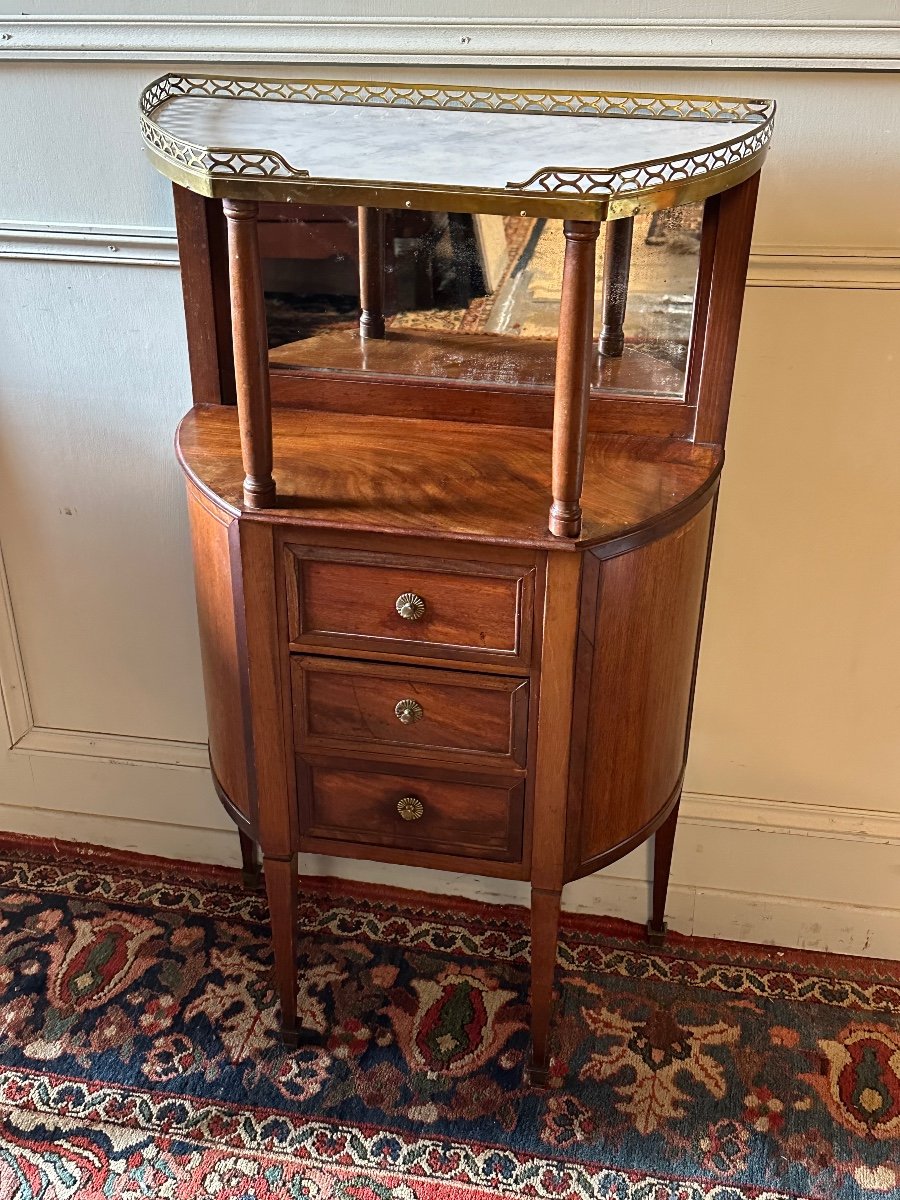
(442, 479)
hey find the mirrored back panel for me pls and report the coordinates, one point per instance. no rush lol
(469, 299)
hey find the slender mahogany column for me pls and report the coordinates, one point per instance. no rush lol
(371, 272)
(574, 359)
(251, 356)
(616, 266)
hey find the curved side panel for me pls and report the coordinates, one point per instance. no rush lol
(640, 621)
(218, 647)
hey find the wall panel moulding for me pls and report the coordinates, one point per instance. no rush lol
(691, 42)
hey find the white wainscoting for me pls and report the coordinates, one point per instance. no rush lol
(791, 825)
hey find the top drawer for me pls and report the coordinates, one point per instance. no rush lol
(389, 604)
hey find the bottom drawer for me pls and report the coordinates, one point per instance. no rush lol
(473, 819)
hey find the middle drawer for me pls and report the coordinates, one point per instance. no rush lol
(340, 704)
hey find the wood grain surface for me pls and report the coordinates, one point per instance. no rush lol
(443, 479)
(202, 250)
(469, 358)
(219, 653)
(633, 689)
(248, 335)
(281, 891)
(551, 790)
(574, 362)
(342, 705)
(468, 817)
(479, 403)
(712, 366)
(469, 609)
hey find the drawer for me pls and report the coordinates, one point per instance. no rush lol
(368, 707)
(411, 810)
(409, 606)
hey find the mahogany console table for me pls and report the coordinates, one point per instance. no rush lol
(451, 562)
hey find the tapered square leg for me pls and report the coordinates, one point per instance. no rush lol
(663, 845)
(250, 866)
(544, 932)
(281, 889)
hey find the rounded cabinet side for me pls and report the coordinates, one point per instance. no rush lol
(211, 529)
(640, 627)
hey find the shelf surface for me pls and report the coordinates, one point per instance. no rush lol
(443, 479)
(441, 147)
(476, 358)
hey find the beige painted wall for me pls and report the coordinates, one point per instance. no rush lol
(791, 827)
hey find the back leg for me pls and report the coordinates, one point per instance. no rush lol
(663, 844)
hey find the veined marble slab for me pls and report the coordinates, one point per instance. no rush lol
(435, 147)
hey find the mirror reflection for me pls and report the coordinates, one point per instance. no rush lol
(473, 298)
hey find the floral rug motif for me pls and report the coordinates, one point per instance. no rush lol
(139, 1053)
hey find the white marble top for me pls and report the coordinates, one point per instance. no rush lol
(296, 135)
(433, 146)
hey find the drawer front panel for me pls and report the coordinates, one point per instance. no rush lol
(410, 811)
(473, 611)
(340, 704)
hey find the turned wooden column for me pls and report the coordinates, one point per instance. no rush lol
(616, 266)
(371, 272)
(251, 354)
(574, 361)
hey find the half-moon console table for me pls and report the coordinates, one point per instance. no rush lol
(452, 533)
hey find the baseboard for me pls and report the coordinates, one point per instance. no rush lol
(792, 921)
(710, 43)
(795, 921)
(697, 903)
(217, 847)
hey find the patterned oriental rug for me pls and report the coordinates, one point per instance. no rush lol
(140, 1056)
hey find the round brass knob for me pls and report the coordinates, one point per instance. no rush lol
(408, 711)
(410, 808)
(410, 606)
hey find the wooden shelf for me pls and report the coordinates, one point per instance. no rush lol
(488, 359)
(443, 479)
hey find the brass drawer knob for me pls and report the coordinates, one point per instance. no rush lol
(410, 606)
(408, 711)
(410, 808)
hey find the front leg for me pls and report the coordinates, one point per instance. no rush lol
(281, 889)
(544, 933)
